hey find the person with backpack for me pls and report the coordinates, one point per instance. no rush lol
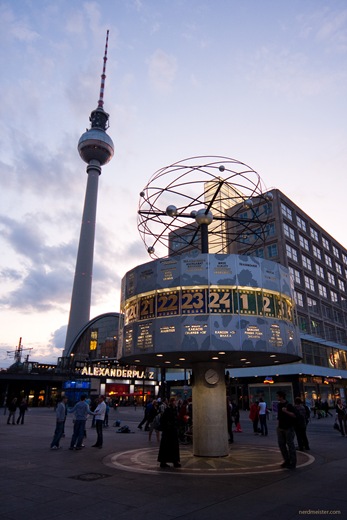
(301, 424)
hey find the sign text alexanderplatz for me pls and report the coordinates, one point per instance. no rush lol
(122, 373)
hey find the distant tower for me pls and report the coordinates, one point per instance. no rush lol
(96, 148)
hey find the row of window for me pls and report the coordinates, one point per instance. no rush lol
(324, 292)
(311, 284)
(322, 330)
(316, 251)
(313, 354)
(314, 234)
(320, 271)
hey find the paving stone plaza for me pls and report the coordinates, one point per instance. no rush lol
(123, 479)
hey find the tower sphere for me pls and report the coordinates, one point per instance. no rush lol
(95, 144)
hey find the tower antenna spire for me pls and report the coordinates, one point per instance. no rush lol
(103, 75)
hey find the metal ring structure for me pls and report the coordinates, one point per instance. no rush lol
(226, 188)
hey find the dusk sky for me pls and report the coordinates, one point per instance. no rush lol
(260, 81)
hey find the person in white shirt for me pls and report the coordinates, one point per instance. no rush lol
(99, 414)
(262, 416)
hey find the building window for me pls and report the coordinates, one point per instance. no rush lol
(331, 278)
(304, 243)
(301, 223)
(325, 243)
(330, 333)
(306, 262)
(286, 212)
(312, 305)
(292, 253)
(268, 208)
(322, 290)
(289, 231)
(316, 327)
(334, 297)
(270, 230)
(342, 285)
(328, 261)
(338, 268)
(303, 323)
(314, 234)
(320, 271)
(309, 283)
(327, 312)
(344, 259)
(341, 338)
(338, 316)
(295, 275)
(259, 253)
(299, 299)
(272, 251)
(317, 252)
(336, 252)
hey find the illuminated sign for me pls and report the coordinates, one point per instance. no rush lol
(116, 372)
(203, 300)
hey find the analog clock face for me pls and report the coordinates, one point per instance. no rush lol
(211, 377)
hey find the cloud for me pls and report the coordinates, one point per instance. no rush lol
(162, 70)
(15, 26)
(57, 340)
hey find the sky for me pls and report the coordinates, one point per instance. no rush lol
(260, 81)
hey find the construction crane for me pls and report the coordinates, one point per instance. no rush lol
(18, 352)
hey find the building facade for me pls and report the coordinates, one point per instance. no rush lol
(318, 267)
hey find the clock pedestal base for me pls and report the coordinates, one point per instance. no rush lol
(210, 432)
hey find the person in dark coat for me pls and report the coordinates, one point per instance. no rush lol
(12, 407)
(169, 450)
(22, 409)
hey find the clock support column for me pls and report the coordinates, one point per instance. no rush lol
(210, 429)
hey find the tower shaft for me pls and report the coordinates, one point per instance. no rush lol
(82, 286)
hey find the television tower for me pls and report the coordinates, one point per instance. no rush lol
(96, 149)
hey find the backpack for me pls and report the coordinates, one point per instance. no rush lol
(124, 429)
(157, 422)
(301, 416)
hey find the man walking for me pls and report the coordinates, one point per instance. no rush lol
(285, 431)
(99, 414)
(81, 411)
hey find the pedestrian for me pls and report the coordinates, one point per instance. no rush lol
(254, 416)
(81, 411)
(12, 408)
(341, 417)
(300, 425)
(235, 412)
(169, 450)
(22, 409)
(263, 417)
(99, 414)
(107, 412)
(154, 421)
(230, 421)
(285, 431)
(145, 417)
(60, 421)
